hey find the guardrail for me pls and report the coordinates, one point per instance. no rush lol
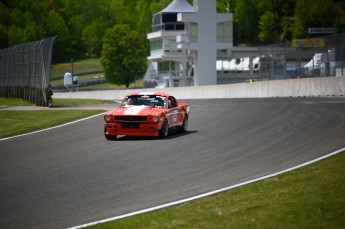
(323, 86)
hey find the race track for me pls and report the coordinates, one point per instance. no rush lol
(71, 175)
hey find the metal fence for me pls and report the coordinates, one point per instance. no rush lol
(25, 71)
(303, 58)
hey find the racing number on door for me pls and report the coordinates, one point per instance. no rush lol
(173, 118)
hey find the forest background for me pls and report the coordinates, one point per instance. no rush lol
(81, 25)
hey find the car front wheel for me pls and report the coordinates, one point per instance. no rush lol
(164, 131)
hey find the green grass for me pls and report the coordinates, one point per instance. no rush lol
(85, 66)
(71, 102)
(309, 197)
(78, 67)
(137, 83)
(20, 122)
(5, 102)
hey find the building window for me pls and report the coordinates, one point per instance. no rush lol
(193, 32)
(167, 68)
(176, 83)
(224, 32)
(156, 44)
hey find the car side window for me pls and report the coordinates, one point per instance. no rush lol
(159, 102)
(172, 102)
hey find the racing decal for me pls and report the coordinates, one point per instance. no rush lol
(146, 93)
(134, 110)
(174, 117)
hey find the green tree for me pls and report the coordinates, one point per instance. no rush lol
(224, 6)
(246, 17)
(4, 14)
(76, 27)
(23, 27)
(283, 11)
(144, 17)
(268, 27)
(123, 55)
(55, 25)
(15, 35)
(93, 37)
(322, 13)
(3, 37)
(317, 13)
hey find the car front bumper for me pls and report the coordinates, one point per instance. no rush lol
(133, 129)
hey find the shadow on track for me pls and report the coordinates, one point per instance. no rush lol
(171, 135)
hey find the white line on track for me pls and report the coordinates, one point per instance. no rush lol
(50, 128)
(208, 193)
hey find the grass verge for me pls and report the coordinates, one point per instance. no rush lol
(71, 102)
(21, 122)
(85, 65)
(309, 197)
(6, 102)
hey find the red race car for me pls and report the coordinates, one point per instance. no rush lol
(146, 114)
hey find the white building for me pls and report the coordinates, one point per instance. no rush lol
(186, 44)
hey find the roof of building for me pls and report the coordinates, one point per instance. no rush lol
(178, 6)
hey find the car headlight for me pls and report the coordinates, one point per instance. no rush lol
(155, 118)
(107, 118)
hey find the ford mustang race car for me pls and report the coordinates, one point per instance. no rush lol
(146, 114)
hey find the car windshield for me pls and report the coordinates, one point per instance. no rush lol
(144, 100)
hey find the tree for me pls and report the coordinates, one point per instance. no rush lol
(224, 6)
(3, 37)
(145, 17)
(93, 37)
(283, 11)
(55, 25)
(123, 55)
(268, 27)
(246, 17)
(315, 13)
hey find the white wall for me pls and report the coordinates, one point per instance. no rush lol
(324, 86)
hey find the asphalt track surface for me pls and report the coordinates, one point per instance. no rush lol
(71, 175)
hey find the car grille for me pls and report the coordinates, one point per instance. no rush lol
(131, 118)
(130, 125)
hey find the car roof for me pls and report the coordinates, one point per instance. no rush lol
(150, 93)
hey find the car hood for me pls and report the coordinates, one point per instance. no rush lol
(136, 110)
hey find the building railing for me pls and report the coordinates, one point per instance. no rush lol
(173, 50)
(168, 27)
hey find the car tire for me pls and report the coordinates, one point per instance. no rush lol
(109, 137)
(184, 126)
(164, 131)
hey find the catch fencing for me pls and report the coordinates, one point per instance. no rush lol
(25, 71)
(303, 58)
